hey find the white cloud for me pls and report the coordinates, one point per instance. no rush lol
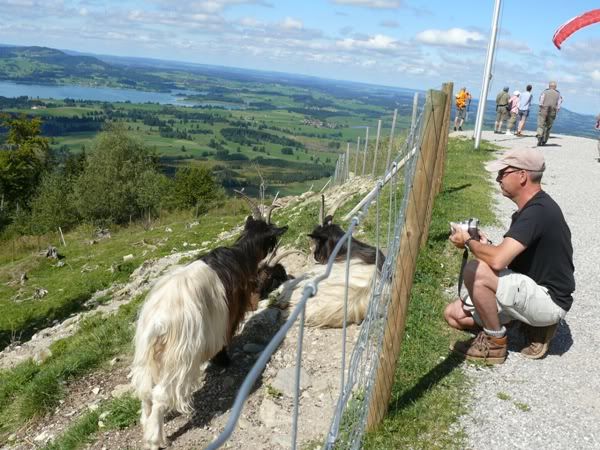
(378, 42)
(292, 24)
(375, 4)
(514, 46)
(454, 37)
(250, 22)
(595, 75)
(210, 6)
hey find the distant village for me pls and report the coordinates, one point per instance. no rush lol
(318, 123)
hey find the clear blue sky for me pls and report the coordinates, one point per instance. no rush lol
(393, 42)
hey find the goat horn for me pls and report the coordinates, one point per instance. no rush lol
(269, 211)
(339, 203)
(283, 255)
(322, 211)
(256, 214)
(272, 255)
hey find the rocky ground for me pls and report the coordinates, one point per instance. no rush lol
(267, 416)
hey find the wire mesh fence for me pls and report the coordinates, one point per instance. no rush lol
(396, 209)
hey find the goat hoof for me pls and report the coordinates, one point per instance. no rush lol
(221, 359)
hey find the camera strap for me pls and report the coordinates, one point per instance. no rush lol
(465, 258)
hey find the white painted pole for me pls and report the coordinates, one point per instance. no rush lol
(389, 153)
(62, 236)
(365, 154)
(347, 168)
(413, 120)
(487, 74)
(357, 156)
(376, 148)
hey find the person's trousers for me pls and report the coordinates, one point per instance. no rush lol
(546, 117)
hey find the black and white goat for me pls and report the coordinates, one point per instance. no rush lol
(326, 309)
(272, 274)
(189, 316)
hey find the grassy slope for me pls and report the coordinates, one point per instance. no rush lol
(87, 268)
(427, 394)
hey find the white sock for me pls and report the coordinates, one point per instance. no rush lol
(496, 333)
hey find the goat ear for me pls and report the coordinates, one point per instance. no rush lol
(249, 220)
(328, 220)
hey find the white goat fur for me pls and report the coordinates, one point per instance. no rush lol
(326, 309)
(182, 324)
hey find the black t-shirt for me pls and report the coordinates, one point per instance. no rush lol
(548, 259)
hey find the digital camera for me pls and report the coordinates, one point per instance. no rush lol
(470, 225)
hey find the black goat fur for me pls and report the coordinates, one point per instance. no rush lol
(270, 278)
(327, 236)
(237, 268)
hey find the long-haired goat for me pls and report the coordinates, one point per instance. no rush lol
(326, 309)
(189, 316)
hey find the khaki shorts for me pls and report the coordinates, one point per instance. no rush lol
(520, 298)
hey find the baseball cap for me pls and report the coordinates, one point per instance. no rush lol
(516, 93)
(523, 158)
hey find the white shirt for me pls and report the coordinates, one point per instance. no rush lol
(525, 101)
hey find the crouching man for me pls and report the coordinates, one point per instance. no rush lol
(527, 277)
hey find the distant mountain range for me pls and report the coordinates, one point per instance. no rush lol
(42, 65)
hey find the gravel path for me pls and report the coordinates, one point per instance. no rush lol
(553, 403)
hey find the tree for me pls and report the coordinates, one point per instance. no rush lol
(106, 191)
(23, 160)
(53, 207)
(196, 187)
(152, 188)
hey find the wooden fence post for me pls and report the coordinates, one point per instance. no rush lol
(447, 88)
(441, 124)
(416, 215)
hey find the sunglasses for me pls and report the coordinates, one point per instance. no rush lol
(504, 172)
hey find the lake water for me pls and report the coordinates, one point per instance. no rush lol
(8, 89)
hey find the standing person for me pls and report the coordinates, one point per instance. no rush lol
(501, 109)
(524, 104)
(463, 100)
(513, 105)
(550, 101)
(527, 277)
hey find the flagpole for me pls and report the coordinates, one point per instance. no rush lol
(487, 74)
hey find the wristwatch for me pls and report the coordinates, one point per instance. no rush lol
(467, 242)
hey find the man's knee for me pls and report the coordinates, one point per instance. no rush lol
(477, 271)
(456, 317)
(448, 314)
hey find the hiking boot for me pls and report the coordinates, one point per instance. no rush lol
(540, 141)
(454, 128)
(488, 349)
(539, 340)
(459, 128)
